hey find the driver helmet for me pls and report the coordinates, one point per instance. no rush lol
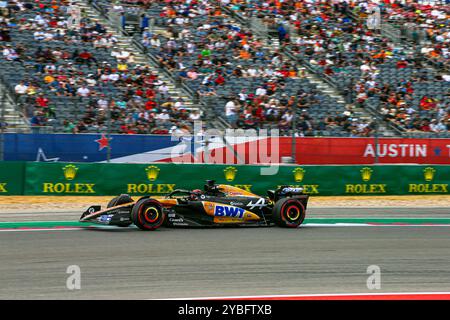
(195, 194)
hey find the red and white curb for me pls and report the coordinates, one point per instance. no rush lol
(339, 224)
(339, 296)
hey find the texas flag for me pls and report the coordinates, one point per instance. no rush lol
(103, 142)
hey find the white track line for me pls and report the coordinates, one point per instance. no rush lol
(41, 229)
(307, 225)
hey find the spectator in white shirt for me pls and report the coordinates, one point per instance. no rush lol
(163, 116)
(154, 42)
(195, 115)
(437, 126)
(83, 91)
(102, 102)
(39, 35)
(243, 95)
(21, 88)
(261, 91)
(164, 89)
(252, 72)
(179, 104)
(114, 77)
(231, 112)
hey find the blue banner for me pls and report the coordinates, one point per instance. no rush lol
(84, 147)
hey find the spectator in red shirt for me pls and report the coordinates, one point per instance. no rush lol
(42, 101)
(86, 57)
(150, 93)
(220, 80)
(427, 103)
(139, 92)
(402, 64)
(425, 126)
(150, 104)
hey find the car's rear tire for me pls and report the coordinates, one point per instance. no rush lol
(288, 213)
(122, 199)
(148, 214)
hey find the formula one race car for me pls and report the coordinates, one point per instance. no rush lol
(216, 205)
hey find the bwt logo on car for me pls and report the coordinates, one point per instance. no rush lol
(227, 211)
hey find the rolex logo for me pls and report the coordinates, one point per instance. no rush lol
(428, 173)
(366, 173)
(230, 173)
(70, 172)
(299, 174)
(152, 172)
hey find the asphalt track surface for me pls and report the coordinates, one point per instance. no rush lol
(186, 263)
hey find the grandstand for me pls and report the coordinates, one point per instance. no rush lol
(309, 68)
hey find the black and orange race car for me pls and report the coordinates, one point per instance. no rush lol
(216, 205)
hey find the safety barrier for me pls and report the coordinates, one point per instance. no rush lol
(37, 178)
(91, 148)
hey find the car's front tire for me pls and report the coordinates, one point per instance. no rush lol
(148, 214)
(288, 213)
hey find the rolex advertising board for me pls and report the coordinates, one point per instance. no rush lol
(11, 178)
(158, 179)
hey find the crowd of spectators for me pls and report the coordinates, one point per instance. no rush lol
(362, 63)
(72, 75)
(248, 111)
(251, 83)
(227, 64)
(425, 23)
